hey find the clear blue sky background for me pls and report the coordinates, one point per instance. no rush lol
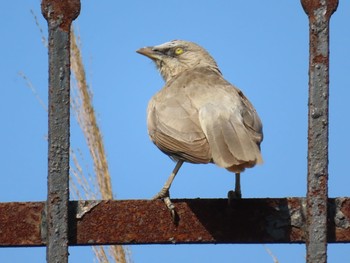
(260, 46)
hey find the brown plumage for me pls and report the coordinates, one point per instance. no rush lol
(198, 116)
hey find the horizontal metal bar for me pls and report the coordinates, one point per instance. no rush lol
(280, 220)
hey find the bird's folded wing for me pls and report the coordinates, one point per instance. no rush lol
(251, 119)
(230, 141)
(174, 127)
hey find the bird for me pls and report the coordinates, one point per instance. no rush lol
(199, 117)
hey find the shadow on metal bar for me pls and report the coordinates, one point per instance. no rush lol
(202, 221)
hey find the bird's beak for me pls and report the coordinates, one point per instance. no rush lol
(149, 52)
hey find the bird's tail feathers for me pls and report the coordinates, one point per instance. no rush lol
(231, 145)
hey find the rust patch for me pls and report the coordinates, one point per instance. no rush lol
(319, 59)
(345, 207)
(20, 224)
(61, 11)
(311, 5)
(339, 220)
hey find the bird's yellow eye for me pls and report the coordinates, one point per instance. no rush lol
(179, 51)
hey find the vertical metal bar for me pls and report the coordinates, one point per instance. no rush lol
(319, 13)
(59, 15)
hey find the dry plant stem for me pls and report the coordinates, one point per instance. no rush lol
(89, 124)
(274, 258)
(100, 254)
(43, 38)
(86, 117)
(33, 89)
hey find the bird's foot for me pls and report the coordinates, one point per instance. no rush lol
(162, 194)
(165, 196)
(233, 195)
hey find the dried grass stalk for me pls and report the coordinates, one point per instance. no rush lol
(81, 182)
(85, 114)
(88, 123)
(274, 258)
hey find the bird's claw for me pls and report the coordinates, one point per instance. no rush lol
(171, 207)
(164, 195)
(233, 195)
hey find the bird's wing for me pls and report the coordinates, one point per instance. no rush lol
(230, 141)
(174, 127)
(251, 119)
(230, 123)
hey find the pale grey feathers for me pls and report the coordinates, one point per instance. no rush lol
(198, 116)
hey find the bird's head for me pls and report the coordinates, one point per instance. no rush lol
(177, 56)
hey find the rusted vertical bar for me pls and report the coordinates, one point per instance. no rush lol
(319, 13)
(59, 15)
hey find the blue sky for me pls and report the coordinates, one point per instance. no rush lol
(260, 46)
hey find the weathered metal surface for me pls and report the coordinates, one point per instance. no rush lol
(319, 13)
(59, 15)
(20, 224)
(339, 220)
(201, 221)
(281, 220)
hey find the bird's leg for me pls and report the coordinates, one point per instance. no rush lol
(238, 185)
(164, 192)
(237, 194)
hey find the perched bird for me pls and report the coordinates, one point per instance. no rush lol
(198, 116)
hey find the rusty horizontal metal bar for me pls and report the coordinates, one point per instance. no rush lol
(280, 220)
